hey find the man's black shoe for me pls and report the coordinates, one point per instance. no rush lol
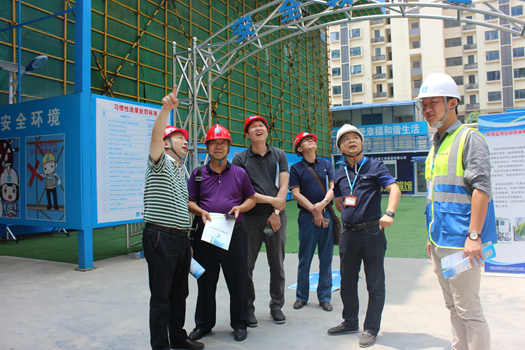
(326, 306)
(240, 334)
(197, 333)
(252, 320)
(188, 344)
(278, 316)
(342, 329)
(299, 304)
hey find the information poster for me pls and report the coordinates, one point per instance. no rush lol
(123, 133)
(505, 135)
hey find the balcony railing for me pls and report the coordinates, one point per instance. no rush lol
(380, 94)
(377, 39)
(377, 21)
(416, 71)
(474, 86)
(378, 58)
(471, 66)
(414, 31)
(470, 47)
(415, 91)
(469, 27)
(472, 106)
(379, 76)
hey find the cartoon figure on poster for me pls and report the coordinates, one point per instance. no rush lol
(9, 180)
(45, 186)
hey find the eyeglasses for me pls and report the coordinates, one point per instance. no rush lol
(219, 143)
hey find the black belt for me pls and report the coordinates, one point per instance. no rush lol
(359, 227)
(170, 230)
(325, 209)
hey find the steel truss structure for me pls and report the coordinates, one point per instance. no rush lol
(202, 64)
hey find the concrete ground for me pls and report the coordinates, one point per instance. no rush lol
(48, 305)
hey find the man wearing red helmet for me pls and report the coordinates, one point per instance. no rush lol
(315, 219)
(165, 236)
(225, 188)
(267, 168)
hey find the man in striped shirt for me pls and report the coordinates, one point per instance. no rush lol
(165, 236)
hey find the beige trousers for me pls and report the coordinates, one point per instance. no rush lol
(470, 330)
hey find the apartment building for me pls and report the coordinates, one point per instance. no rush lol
(386, 60)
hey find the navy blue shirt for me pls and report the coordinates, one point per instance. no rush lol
(372, 176)
(301, 177)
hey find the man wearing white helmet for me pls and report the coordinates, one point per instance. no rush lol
(357, 193)
(460, 211)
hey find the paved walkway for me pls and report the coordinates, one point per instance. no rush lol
(48, 305)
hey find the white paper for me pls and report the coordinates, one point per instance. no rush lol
(277, 176)
(218, 231)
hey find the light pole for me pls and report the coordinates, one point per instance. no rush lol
(12, 67)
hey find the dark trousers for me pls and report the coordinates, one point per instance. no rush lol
(169, 259)
(49, 192)
(233, 262)
(368, 246)
(254, 226)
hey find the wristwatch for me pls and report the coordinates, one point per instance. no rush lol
(276, 211)
(473, 235)
(390, 213)
(327, 201)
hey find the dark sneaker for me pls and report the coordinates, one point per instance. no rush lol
(278, 316)
(326, 306)
(198, 333)
(367, 339)
(342, 329)
(188, 344)
(299, 304)
(252, 321)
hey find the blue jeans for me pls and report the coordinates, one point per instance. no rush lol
(311, 236)
(368, 246)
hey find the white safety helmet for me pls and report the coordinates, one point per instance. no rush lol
(439, 85)
(9, 177)
(345, 129)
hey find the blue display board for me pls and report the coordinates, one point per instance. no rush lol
(505, 135)
(40, 172)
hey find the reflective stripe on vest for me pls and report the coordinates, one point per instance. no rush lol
(449, 202)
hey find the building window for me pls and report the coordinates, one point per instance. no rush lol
(336, 90)
(337, 105)
(452, 24)
(334, 36)
(472, 79)
(491, 35)
(519, 73)
(356, 69)
(495, 96)
(471, 59)
(470, 40)
(516, 11)
(489, 17)
(355, 33)
(416, 64)
(357, 103)
(414, 25)
(416, 44)
(454, 61)
(494, 75)
(519, 94)
(518, 52)
(458, 80)
(492, 55)
(417, 84)
(336, 72)
(452, 42)
(391, 165)
(355, 51)
(472, 99)
(336, 54)
(357, 88)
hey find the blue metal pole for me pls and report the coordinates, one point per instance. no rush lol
(19, 52)
(83, 87)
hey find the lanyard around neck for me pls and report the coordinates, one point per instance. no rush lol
(352, 184)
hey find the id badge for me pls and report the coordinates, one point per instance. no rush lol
(350, 201)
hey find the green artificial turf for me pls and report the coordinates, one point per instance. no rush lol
(406, 238)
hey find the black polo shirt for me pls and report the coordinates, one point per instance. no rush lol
(372, 176)
(263, 172)
(301, 177)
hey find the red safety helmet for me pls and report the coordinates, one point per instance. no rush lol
(300, 137)
(253, 118)
(218, 132)
(171, 129)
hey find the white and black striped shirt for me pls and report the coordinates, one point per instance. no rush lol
(166, 194)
